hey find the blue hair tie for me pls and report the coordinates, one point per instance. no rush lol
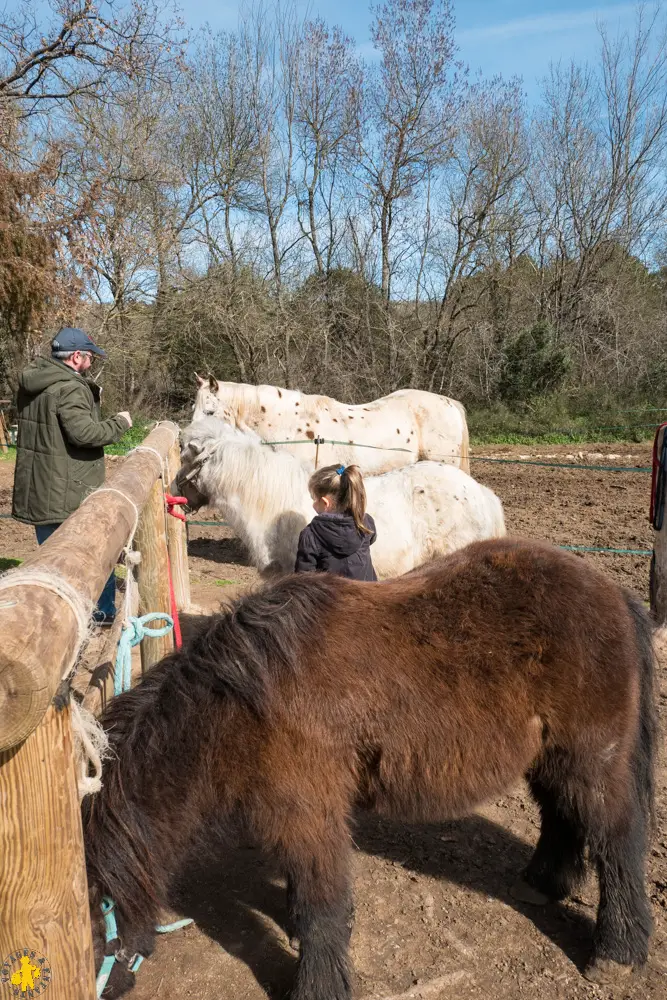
(340, 470)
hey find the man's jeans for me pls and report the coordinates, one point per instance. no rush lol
(106, 606)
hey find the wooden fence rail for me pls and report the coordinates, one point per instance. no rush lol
(43, 890)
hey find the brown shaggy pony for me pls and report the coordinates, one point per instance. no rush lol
(419, 698)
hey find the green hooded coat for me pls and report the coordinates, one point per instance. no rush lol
(61, 438)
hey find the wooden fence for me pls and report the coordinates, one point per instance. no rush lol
(44, 610)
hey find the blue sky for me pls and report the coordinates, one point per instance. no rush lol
(496, 36)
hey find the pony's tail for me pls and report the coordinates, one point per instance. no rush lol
(499, 527)
(645, 753)
(464, 462)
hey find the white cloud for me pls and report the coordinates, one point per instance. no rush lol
(366, 50)
(545, 24)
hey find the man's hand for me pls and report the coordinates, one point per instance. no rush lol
(126, 416)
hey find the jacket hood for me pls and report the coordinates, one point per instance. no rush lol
(42, 373)
(339, 533)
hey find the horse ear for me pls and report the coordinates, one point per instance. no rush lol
(213, 383)
(200, 381)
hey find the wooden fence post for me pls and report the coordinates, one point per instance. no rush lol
(177, 540)
(43, 887)
(658, 581)
(153, 573)
(4, 431)
(43, 891)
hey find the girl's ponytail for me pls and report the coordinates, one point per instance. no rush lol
(353, 496)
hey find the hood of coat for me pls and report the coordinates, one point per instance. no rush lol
(338, 533)
(44, 372)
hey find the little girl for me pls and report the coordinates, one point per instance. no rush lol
(339, 539)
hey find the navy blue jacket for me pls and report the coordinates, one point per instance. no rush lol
(332, 543)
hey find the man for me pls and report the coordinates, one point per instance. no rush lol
(61, 438)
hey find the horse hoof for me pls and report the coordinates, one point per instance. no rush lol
(606, 972)
(524, 893)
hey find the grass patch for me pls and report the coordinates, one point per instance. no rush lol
(131, 439)
(584, 437)
(6, 562)
(226, 583)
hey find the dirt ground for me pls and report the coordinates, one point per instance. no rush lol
(433, 916)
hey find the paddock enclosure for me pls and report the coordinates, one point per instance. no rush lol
(433, 915)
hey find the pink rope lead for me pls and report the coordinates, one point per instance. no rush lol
(174, 610)
(172, 503)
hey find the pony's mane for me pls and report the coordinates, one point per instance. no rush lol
(214, 429)
(238, 395)
(239, 462)
(260, 637)
(243, 649)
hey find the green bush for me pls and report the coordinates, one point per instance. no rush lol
(532, 364)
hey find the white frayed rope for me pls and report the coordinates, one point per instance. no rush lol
(91, 747)
(162, 458)
(80, 605)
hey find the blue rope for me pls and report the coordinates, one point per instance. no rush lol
(133, 632)
(562, 465)
(111, 929)
(110, 934)
(176, 926)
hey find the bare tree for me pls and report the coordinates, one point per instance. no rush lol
(280, 211)
(598, 174)
(85, 49)
(326, 119)
(225, 163)
(411, 102)
(272, 54)
(128, 155)
(476, 213)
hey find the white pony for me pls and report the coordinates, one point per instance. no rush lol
(420, 511)
(405, 427)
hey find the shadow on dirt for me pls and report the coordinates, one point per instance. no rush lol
(479, 855)
(219, 550)
(228, 897)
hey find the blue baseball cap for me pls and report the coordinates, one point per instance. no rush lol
(70, 338)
